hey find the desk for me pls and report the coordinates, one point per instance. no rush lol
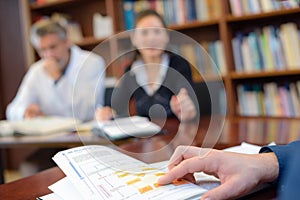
(258, 131)
(158, 147)
(37, 185)
(57, 140)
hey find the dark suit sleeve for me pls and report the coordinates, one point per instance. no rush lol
(284, 155)
(289, 187)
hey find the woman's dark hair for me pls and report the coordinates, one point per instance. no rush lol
(149, 12)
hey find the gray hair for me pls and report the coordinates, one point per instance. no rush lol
(44, 27)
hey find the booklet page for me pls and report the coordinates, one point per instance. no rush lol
(101, 172)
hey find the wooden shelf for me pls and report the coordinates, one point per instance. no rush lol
(267, 118)
(194, 24)
(235, 75)
(231, 18)
(52, 4)
(88, 41)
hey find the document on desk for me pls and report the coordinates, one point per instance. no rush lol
(121, 128)
(103, 172)
(99, 172)
(43, 125)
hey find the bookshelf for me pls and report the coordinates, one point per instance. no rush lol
(80, 12)
(223, 25)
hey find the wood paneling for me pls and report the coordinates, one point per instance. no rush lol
(12, 58)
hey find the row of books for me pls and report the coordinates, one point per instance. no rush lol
(175, 11)
(261, 131)
(268, 49)
(245, 7)
(207, 58)
(269, 99)
(102, 25)
(73, 28)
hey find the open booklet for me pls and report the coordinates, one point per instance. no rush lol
(38, 126)
(99, 172)
(126, 127)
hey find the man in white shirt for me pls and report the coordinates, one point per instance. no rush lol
(66, 81)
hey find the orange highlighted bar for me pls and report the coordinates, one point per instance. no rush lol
(145, 189)
(141, 174)
(160, 173)
(123, 175)
(180, 182)
(156, 185)
(133, 181)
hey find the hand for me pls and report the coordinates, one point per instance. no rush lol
(104, 114)
(33, 110)
(52, 68)
(182, 106)
(238, 173)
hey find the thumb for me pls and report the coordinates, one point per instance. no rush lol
(174, 100)
(182, 91)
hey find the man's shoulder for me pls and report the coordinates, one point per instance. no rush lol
(37, 66)
(84, 53)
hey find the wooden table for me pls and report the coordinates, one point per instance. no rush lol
(37, 185)
(220, 134)
(56, 140)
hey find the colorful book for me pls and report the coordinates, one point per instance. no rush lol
(129, 15)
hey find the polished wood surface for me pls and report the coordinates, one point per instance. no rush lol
(31, 187)
(37, 185)
(218, 134)
(215, 132)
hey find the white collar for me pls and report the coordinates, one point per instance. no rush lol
(139, 70)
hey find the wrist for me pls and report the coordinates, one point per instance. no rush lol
(271, 167)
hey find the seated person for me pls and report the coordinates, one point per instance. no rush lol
(50, 87)
(154, 77)
(61, 83)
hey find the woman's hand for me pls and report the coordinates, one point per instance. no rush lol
(183, 106)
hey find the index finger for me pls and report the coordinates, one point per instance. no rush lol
(184, 168)
(185, 152)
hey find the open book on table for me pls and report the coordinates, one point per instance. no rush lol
(99, 172)
(39, 125)
(126, 127)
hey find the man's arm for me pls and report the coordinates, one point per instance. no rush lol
(89, 88)
(25, 96)
(284, 154)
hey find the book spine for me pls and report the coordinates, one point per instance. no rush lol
(236, 7)
(129, 15)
